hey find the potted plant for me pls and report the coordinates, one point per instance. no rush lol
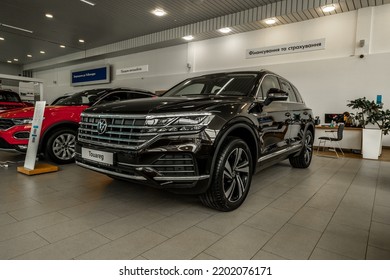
(375, 121)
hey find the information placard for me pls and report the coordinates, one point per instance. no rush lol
(35, 133)
(305, 46)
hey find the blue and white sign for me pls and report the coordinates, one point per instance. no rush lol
(33, 141)
(91, 76)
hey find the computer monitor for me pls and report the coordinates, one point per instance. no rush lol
(329, 117)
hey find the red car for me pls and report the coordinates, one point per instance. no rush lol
(60, 124)
(11, 100)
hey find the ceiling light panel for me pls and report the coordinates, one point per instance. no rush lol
(88, 2)
(49, 15)
(270, 21)
(159, 12)
(188, 37)
(1, 39)
(16, 28)
(42, 52)
(81, 41)
(225, 30)
(328, 8)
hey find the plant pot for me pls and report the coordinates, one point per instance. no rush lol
(372, 143)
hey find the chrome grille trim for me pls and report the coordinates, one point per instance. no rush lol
(123, 131)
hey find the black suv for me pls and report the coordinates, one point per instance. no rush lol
(207, 135)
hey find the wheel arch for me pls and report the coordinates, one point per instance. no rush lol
(240, 129)
(48, 132)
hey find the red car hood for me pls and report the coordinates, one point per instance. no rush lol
(28, 112)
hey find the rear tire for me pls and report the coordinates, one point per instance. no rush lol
(60, 146)
(303, 160)
(231, 178)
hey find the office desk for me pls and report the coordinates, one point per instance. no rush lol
(352, 136)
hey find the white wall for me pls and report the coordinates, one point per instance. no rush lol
(327, 78)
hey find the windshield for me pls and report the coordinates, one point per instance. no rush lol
(87, 97)
(232, 84)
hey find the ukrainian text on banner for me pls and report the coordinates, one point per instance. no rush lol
(306, 46)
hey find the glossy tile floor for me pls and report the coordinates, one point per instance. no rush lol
(336, 209)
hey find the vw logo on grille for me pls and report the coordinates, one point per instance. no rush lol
(102, 126)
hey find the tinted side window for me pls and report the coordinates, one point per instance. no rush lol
(12, 98)
(298, 95)
(138, 95)
(288, 88)
(268, 83)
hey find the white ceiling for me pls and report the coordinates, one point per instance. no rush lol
(114, 27)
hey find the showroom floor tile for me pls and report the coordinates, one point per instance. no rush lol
(336, 209)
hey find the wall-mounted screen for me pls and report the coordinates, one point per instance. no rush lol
(91, 76)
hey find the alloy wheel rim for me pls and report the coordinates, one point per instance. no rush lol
(236, 174)
(64, 146)
(308, 148)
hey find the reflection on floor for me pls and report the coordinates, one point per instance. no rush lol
(385, 156)
(336, 209)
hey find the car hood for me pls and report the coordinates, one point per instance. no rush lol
(28, 112)
(162, 105)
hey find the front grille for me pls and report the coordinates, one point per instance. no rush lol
(175, 165)
(124, 132)
(6, 123)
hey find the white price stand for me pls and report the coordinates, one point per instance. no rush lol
(30, 168)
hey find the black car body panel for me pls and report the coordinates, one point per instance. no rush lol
(175, 142)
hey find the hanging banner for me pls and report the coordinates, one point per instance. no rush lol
(305, 46)
(131, 70)
(35, 134)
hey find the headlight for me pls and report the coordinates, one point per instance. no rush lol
(22, 121)
(177, 123)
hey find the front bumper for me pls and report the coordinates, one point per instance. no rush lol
(15, 138)
(177, 166)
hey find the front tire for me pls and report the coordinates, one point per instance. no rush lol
(231, 178)
(303, 160)
(60, 146)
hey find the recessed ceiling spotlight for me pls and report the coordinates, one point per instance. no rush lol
(49, 15)
(225, 30)
(9, 61)
(270, 21)
(62, 46)
(88, 2)
(81, 41)
(42, 52)
(15, 59)
(29, 55)
(159, 12)
(188, 37)
(1, 39)
(328, 8)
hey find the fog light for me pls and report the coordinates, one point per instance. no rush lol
(22, 147)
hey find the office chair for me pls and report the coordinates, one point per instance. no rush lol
(333, 140)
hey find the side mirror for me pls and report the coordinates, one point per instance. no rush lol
(275, 94)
